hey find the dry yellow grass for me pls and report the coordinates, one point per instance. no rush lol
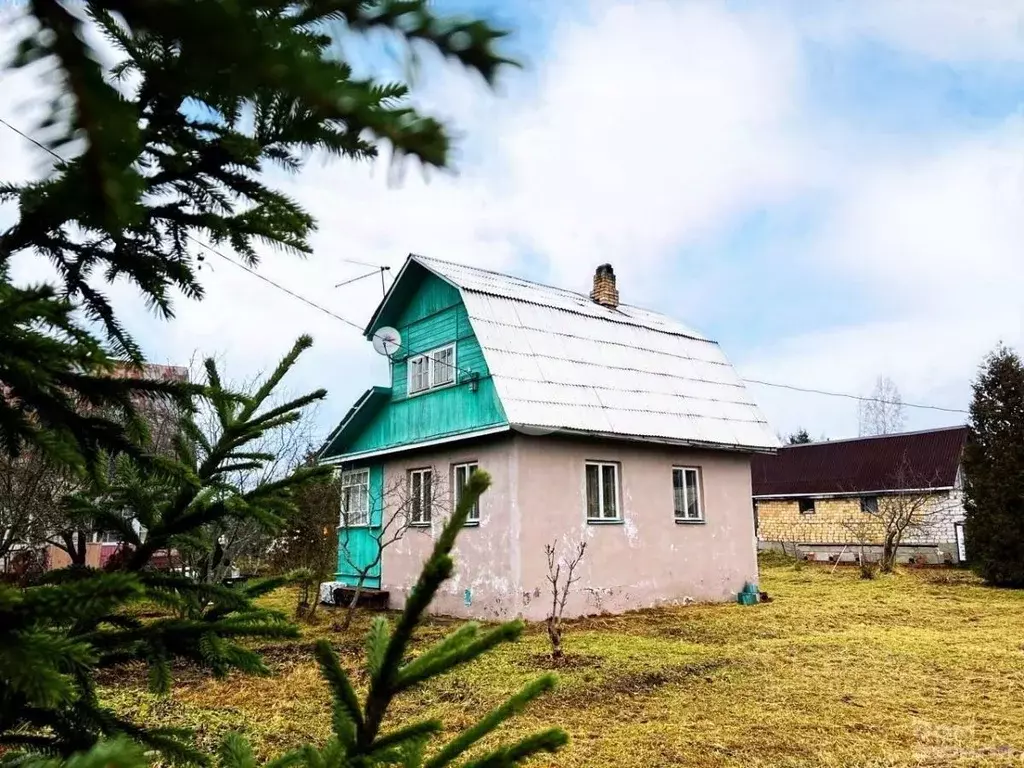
(916, 669)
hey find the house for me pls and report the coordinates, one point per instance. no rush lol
(823, 499)
(597, 421)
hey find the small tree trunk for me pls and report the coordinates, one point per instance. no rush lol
(888, 554)
(555, 635)
(314, 600)
(76, 547)
(302, 607)
(351, 612)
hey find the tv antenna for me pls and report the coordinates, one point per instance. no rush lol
(377, 268)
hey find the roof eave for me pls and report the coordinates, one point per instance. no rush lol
(538, 430)
(842, 494)
(359, 456)
(359, 404)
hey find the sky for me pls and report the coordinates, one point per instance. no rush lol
(833, 191)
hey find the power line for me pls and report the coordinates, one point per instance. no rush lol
(410, 353)
(279, 287)
(254, 273)
(29, 138)
(853, 397)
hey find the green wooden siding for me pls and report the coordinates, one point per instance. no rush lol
(431, 296)
(433, 316)
(357, 547)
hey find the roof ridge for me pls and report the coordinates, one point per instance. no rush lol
(625, 318)
(876, 437)
(507, 275)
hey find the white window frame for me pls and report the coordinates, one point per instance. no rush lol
(602, 518)
(473, 518)
(682, 516)
(414, 370)
(353, 478)
(426, 509)
(435, 367)
(430, 359)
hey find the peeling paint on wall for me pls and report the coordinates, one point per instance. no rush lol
(536, 498)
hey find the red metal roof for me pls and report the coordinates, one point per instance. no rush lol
(883, 463)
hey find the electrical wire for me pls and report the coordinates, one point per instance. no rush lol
(410, 353)
(853, 397)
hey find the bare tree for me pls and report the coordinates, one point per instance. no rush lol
(881, 412)
(362, 548)
(46, 489)
(560, 589)
(888, 519)
(865, 532)
(31, 486)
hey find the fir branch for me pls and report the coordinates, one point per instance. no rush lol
(550, 740)
(469, 737)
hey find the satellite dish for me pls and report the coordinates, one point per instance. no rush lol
(386, 341)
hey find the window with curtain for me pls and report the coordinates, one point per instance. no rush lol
(602, 480)
(688, 504)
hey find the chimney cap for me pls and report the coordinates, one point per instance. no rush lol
(605, 269)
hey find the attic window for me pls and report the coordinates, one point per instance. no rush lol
(432, 370)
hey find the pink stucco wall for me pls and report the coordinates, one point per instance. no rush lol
(648, 559)
(486, 558)
(537, 497)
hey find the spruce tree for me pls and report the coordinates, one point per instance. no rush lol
(56, 635)
(994, 471)
(359, 739)
(176, 140)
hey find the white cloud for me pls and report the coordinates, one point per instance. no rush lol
(953, 30)
(935, 241)
(648, 127)
(654, 124)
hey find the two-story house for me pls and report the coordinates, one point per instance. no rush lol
(596, 420)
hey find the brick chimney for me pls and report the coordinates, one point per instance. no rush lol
(605, 292)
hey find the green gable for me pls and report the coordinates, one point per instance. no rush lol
(429, 313)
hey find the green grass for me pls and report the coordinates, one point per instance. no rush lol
(921, 668)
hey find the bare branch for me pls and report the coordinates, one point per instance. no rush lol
(560, 589)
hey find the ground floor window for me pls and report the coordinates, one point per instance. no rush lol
(420, 496)
(602, 491)
(355, 498)
(460, 479)
(686, 494)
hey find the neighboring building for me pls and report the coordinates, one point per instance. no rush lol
(596, 421)
(820, 499)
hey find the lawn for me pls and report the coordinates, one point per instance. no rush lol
(919, 668)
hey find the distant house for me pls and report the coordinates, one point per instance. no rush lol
(596, 420)
(816, 497)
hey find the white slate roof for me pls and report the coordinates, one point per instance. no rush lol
(562, 361)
